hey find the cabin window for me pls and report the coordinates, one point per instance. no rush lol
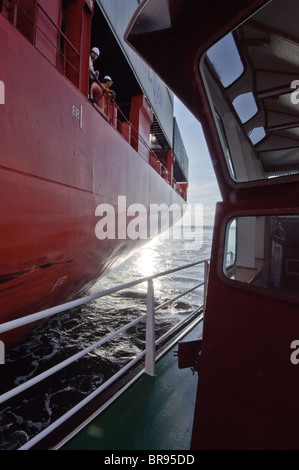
(257, 134)
(245, 106)
(263, 251)
(226, 61)
(230, 245)
(252, 79)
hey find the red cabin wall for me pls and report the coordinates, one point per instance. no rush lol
(248, 388)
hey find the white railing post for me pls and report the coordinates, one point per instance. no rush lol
(149, 351)
(150, 348)
(2, 352)
(206, 276)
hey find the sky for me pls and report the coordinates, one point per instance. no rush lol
(203, 188)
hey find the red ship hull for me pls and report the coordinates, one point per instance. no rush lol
(55, 169)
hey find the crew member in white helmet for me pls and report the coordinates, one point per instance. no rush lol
(106, 85)
(94, 55)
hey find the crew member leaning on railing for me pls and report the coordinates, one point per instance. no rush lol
(93, 55)
(106, 85)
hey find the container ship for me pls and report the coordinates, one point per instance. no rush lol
(69, 147)
(235, 65)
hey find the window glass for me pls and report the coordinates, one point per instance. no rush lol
(231, 244)
(245, 106)
(249, 82)
(257, 134)
(226, 61)
(264, 251)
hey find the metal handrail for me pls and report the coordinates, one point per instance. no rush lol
(174, 328)
(140, 138)
(79, 406)
(44, 375)
(36, 28)
(62, 35)
(39, 7)
(4, 327)
(178, 297)
(146, 149)
(148, 353)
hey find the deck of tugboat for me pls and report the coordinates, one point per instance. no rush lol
(148, 403)
(153, 413)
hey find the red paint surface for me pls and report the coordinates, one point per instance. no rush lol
(53, 174)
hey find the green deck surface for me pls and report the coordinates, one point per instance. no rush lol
(154, 413)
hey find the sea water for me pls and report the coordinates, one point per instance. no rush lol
(24, 416)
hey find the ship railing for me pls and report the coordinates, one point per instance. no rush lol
(65, 51)
(148, 154)
(66, 58)
(60, 51)
(110, 110)
(148, 355)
